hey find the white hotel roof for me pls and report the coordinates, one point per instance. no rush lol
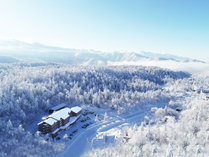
(63, 113)
(76, 109)
(50, 121)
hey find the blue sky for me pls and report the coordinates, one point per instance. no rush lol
(179, 27)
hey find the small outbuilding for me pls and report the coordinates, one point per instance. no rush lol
(57, 108)
(75, 111)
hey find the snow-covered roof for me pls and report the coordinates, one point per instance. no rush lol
(50, 121)
(76, 109)
(58, 107)
(63, 113)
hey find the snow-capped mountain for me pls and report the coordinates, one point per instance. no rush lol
(14, 51)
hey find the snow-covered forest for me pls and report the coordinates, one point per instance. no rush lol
(29, 90)
(169, 132)
(104, 78)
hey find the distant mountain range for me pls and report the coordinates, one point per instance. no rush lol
(17, 51)
(13, 51)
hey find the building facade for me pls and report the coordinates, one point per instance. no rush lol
(59, 120)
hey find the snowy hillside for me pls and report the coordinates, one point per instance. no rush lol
(27, 91)
(128, 109)
(147, 110)
(167, 132)
(41, 53)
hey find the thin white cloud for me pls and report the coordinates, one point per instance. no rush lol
(191, 67)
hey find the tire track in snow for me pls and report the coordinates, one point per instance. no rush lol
(80, 143)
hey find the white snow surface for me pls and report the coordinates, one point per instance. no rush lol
(50, 121)
(148, 110)
(102, 130)
(63, 113)
(76, 109)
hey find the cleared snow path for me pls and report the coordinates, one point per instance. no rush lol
(81, 143)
